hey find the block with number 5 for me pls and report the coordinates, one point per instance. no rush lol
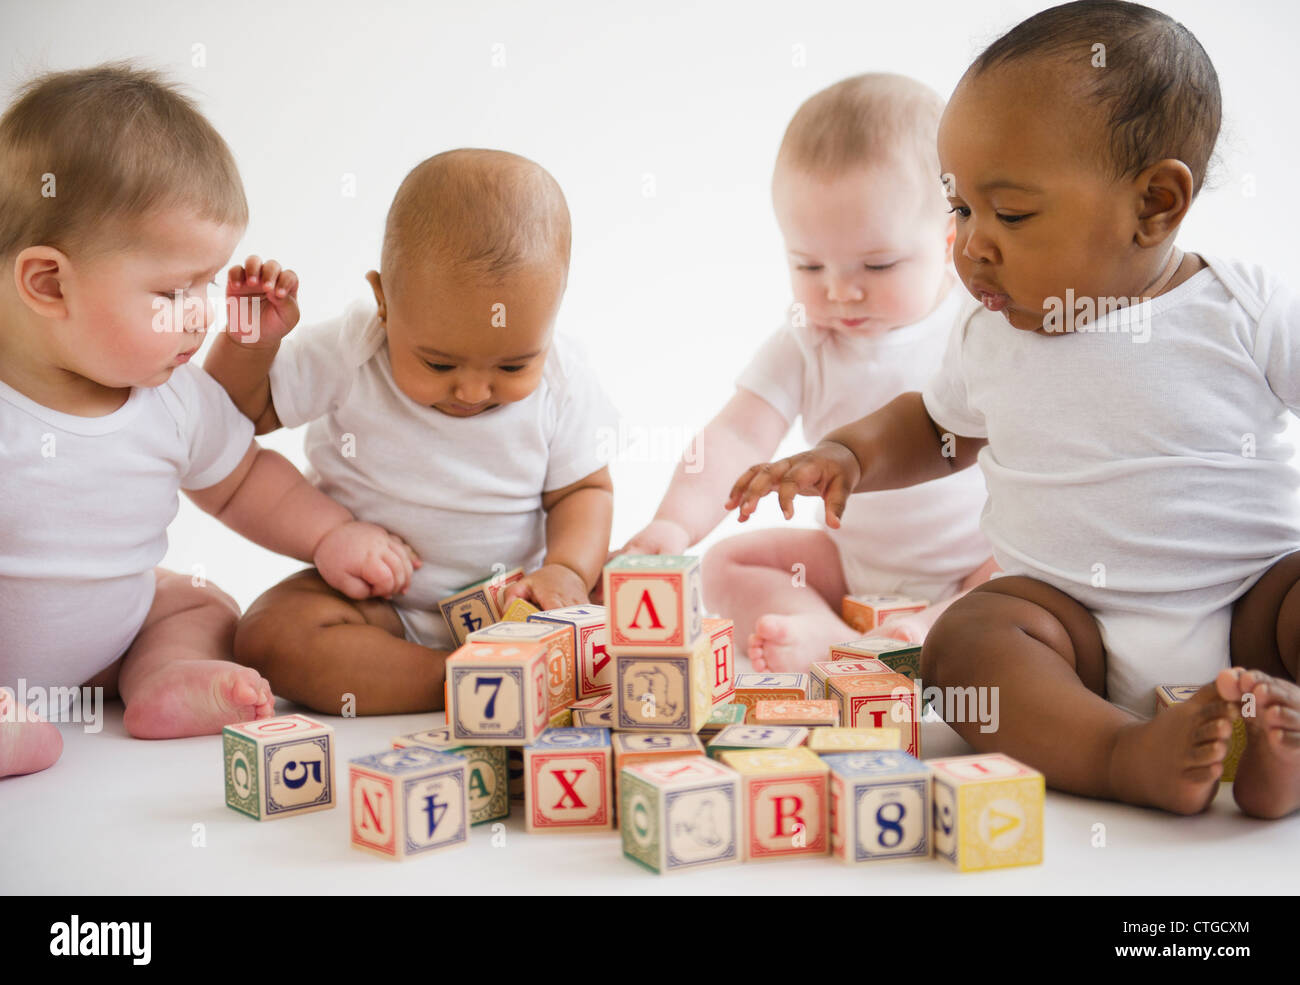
(276, 767)
(497, 693)
(988, 812)
(880, 806)
(408, 802)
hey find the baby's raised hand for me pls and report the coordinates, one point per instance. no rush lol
(552, 586)
(830, 471)
(272, 311)
(362, 560)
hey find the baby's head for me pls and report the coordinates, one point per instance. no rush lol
(475, 261)
(866, 230)
(1071, 151)
(114, 192)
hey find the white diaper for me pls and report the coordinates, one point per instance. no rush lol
(425, 628)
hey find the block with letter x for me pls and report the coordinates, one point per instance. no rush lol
(568, 781)
(408, 802)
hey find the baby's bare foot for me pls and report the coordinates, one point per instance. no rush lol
(781, 643)
(1268, 776)
(28, 743)
(196, 697)
(1174, 761)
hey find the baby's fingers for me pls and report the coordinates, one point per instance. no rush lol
(741, 484)
(837, 495)
(768, 476)
(270, 271)
(378, 576)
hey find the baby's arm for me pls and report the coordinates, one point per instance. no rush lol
(747, 428)
(578, 521)
(268, 501)
(897, 446)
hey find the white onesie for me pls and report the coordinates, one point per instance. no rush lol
(1149, 480)
(922, 540)
(85, 503)
(464, 492)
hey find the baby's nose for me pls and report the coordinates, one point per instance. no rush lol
(472, 390)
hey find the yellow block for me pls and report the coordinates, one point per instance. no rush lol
(797, 760)
(988, 812)
(1168, 695)
(853, 739)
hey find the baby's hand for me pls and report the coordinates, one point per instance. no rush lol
(830, 471)
(361, 560)
(273, 311)
(552, 586)
(658, 537)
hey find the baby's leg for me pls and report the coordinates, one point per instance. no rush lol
(26, 746)
(1266, 641)
(1043, 653)
(914, 626)
(177, 679)
(783, 590)
(315, 645)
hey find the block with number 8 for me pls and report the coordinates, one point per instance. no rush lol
(880, 806)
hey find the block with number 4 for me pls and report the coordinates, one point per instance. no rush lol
(408, 802)
(497, 693)
(722, 641)
(865, 612)
(593, 669)
(901, 658)
(753, 688)
(487, 779)
(276, 767)
(988, 812)
(568, 781)
(654, 602)
(558, 641)
(663, 692)
(477, 606)
(879, 807)
(680, 814)
(880, 701)
(784, 802)
(1168, 695)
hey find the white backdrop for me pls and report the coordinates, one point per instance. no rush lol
(660, 121)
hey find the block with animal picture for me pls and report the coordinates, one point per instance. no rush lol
(408, 802)
(1168, 695)
(865, 612)
(988, 811)
(820, 671)
(663, 692)
(752, 688)
(680, 814)
(487, 778)
(737, 737)
(722, 641)
(497, 693)
(478, 605)
(880, 701)
(568, 781)
(654, 602)
(558, 641)
(879, 806)
(784, 802)
(278, 767)
(901, 658)
(593, 666)
(810, 713)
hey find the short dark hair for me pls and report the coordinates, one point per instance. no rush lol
(1158, 89)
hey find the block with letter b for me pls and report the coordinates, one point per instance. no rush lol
(680, 814)
(408, 802)
(275, 767)
(497, 693)
(722, 641)
(593, 667)
(654, 602)
(784, 802)
(879, 807)
(558, 641)
(663, 692)
(568, 781)
(487, 779)
(988, 811)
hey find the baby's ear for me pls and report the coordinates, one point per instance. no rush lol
(372, 278)
(1165, 191)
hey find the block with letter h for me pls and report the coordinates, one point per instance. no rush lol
(879, 807)
(988, 811)
(680, 814)
(276, 767)
(496, 693)
(568, 781)
(408, 802)
(784, 802)
(722, 641)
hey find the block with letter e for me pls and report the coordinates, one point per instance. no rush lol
(988, 811)
(276, 767)
(408, 802)
(879, 806)
(680, 814)
(497, 693)
(568, 781)
(784, 802)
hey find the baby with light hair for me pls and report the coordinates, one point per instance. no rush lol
(445, 407)
(861, 209)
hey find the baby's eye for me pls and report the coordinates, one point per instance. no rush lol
(513, 369)
(810, 267)
(963, 211)
(881, 266)
(439, 367)
(1011, 219)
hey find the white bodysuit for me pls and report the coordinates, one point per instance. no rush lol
(1149, 480)
(920, 541)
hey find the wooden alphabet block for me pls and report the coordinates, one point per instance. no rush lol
(797, 713)
(663, 692)
(558, 641)
(901, 658)
(276, 767)
(722, 640)
(824, 740)
(515, 770)
(644, 747)
(680, 814)
(518, 611)
(988, 812)
(784, 798)
(865, 612)
(595, 703)
(880, 701)
(655, 602)
(593, 668)
(408, 802)
(561, 719)
(487, 780)
(1168, 695)
(569, 781)
(734, 738)
(880, 806)
(477, 606)
(497, 693)
(720, 717)
(593, 717)
(820, 671)
(752, 688)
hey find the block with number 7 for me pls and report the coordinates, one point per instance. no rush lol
(497, 694)
(880, 806)
(988, 812)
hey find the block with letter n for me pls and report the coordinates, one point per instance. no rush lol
(568, 781)
(278, 767)
(408, 802)
(497, 693)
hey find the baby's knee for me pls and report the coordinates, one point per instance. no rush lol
(282, 621)
(947, 641)
(184, 592)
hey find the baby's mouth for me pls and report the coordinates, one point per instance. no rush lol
(992, 301)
